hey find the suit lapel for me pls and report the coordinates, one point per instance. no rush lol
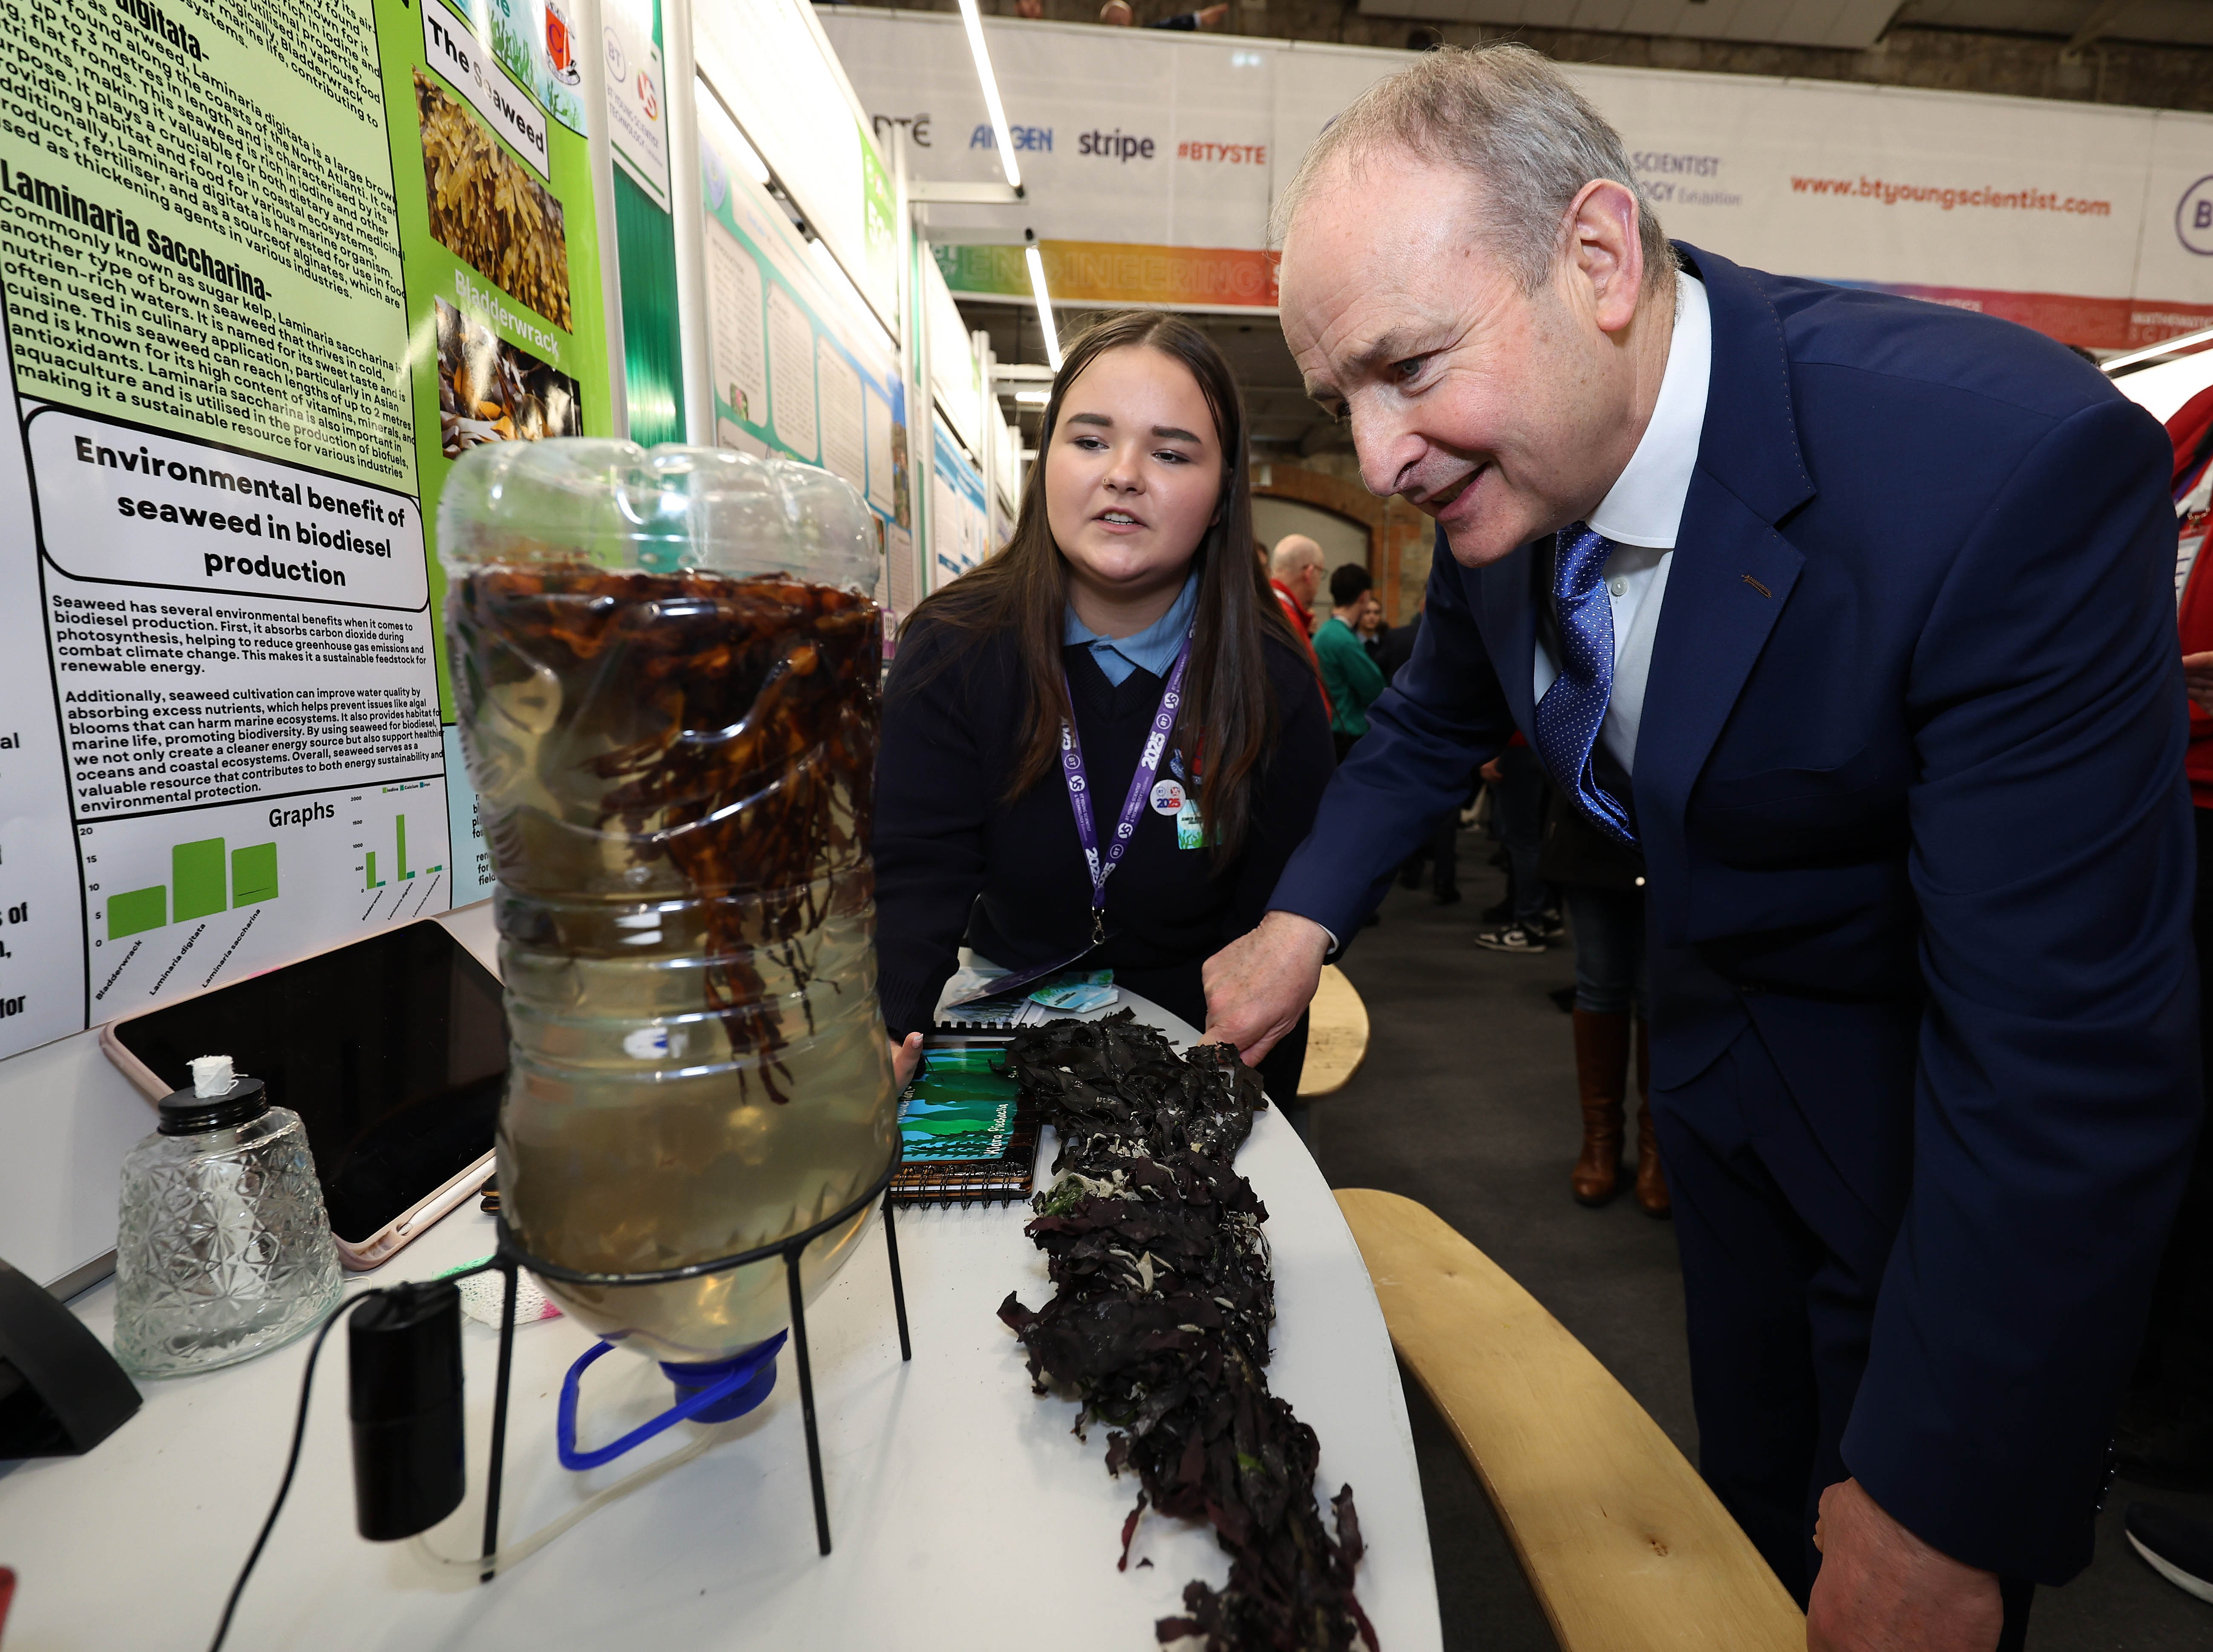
(1726, 587)
(1508, 611)
(1732, 570)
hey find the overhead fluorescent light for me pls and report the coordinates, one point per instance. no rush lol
(1044, 298)
(973, 21)
(2165, 347)
(1033, 398)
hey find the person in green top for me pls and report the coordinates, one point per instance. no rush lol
(1352, 677)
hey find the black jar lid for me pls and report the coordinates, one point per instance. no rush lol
(186, 1112)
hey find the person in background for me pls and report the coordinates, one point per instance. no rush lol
(1294, 575)
(1398, 645)
(1529, 919)
(1603, 883)
(1294, 570)
(1127, 599)
(1374, 630)
(1351, 678)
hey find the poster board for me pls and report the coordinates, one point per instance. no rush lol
(795, 371)
(241, 326)
(960, 523)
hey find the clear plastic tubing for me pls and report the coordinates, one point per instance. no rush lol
(666, 668)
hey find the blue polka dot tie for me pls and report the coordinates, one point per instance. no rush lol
(1573, 708)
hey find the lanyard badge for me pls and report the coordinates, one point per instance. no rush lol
(1102, 864)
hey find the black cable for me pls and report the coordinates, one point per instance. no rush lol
(299, 1437)
(291, 1462)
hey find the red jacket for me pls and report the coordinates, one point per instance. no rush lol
(1302, 622)
(2192, 432)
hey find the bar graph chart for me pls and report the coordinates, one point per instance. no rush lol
(181, 901)
(400, 870)
(202, 881)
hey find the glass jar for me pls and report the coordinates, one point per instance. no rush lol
(223, 1250)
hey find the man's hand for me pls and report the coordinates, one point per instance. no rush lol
(1259, 984)
(1494, 770)
(1882, 1589)
(2197, 678)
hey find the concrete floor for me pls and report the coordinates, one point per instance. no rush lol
(1466, 1103)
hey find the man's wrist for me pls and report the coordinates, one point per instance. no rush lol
(1289, 923)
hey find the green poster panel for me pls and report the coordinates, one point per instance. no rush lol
(492, 172)
(645, 234)
(653, 356)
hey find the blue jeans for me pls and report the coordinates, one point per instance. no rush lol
(1608, 925)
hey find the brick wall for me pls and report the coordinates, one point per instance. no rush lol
(1399, 536)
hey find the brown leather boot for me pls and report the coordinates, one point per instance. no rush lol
(1602, 1077)
(1651, 1179)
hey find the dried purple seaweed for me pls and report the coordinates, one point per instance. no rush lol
(1163, 1300)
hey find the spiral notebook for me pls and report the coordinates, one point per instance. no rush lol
(965, 1134)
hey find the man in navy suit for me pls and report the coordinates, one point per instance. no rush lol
(1855, 616)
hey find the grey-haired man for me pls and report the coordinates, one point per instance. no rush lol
(1854, 617)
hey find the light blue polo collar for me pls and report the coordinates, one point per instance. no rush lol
(1153, 648)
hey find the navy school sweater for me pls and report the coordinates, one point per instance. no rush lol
(956, 862)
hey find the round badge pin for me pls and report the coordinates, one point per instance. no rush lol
(1167, 798)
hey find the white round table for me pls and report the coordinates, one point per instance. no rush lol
(963, 1513)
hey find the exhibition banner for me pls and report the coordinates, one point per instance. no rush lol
(264, 282)
(1153, 159)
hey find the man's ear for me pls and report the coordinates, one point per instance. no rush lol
(1605, 252)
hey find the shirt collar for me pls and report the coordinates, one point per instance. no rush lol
(1645, 505)
(1153, 648)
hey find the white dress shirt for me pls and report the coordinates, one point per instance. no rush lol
(1641, 515)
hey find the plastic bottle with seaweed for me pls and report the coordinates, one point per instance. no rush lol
(666, 668)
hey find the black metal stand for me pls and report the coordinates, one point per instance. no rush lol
(512, 1257)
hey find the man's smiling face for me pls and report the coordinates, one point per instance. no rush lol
(1504, 415)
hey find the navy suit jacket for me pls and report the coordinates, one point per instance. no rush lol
(1910, 788)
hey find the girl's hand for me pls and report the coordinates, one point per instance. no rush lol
(906, 1058)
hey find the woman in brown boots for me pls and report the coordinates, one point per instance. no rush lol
(1603, 885)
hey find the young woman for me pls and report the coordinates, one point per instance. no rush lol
(1016, 721)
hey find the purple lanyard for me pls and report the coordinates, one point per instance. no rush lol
(1133, 806)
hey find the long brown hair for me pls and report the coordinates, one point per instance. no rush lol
(1228, 721)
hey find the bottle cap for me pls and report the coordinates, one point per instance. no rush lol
(217, 1099)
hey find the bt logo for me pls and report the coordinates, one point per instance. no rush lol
(2193, 217)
